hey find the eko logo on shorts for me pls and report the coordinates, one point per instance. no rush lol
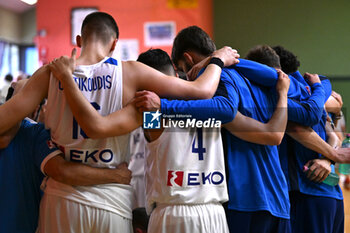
(183, 179)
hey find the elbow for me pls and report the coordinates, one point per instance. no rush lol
(279, 137)
(309, 116)
(104, 131)
(313, 119)
(275, 138)
(206, 93)
(228, 115)
(314, 115)
(96, 130)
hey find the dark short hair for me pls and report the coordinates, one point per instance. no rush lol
(192, 38)
(9, 77)
(101, 25)
(264, 54)
(289, 62)
(157, 59)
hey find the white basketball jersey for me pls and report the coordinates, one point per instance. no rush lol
(102, 86)
(186, 167)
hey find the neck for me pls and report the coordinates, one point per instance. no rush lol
(92, 53)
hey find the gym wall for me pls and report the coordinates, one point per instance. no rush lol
(318, 32)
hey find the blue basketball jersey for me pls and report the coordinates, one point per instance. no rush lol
(20, 177)
(294, 156)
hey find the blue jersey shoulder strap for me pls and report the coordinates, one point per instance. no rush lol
(111, 61)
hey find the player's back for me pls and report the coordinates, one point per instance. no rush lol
(102, 85)
(186, 166)
(256, 181)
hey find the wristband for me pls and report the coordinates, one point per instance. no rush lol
(216, 61)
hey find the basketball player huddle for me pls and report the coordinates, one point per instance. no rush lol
(247, 161)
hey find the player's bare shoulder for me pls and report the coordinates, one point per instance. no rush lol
(135, 74)
(129, 70)
(134, 69)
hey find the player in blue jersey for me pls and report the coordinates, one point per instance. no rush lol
(299, 94)
(315, 206)
(312, 203)
(26, 156)
(289, 64)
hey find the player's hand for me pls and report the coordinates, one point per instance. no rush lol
(338, 98)
(311, 79)
(147, 101)
(123, 174)
(318, 169)
(283, 83)
(334, 105)
(228, 55)
(62, 68)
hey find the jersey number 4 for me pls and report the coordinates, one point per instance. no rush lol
(200, 150)
(76, 126)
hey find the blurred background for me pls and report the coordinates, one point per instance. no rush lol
(318, 32)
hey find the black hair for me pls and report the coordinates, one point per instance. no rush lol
(157, 59)
(192, 38)
(140, 218)
(9, 77)
(264, 54)
(289, 62)
(9, 93)
(100, 25)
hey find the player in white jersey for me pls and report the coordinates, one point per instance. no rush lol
(101, 84)
(186, 188)
(77, 209)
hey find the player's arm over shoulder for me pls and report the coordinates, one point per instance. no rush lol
(143, 77)
(24, 103)
(73, 173)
